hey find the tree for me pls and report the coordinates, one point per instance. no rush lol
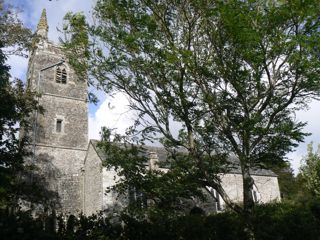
(17, 105)
(310, 170)
(287, 181)
(292, 188)
(15, 37)
(231, 73)
(145, 182)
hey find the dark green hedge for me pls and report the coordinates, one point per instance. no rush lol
(279, 221)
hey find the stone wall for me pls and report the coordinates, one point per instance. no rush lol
(59, 153)
(92, 183)
(267, 187)
(112, 201)
(61, 168)
(73, 113)
(96, 181)
(44, 55)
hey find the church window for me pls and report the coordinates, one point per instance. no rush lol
(59, 125)
(255, 194)
(64, 76)
(216, 199)
(61, 75)
(137, 198)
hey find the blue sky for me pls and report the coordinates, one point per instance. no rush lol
(119, 116)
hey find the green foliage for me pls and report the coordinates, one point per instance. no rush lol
(310, 170)
(93, 227)
(287, 221)
(22, 225)
(271, 222)
(292, 188)
(76, 34)
(77, 44)
(13, 35)
(17, 106)
(163, 189)
(230, 73)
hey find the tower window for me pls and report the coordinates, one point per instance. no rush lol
(59, 125)
(61, 75)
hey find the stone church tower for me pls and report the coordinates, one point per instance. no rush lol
(60, 133)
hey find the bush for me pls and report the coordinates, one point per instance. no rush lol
(286, 221)
(23, 226)
(271, 222)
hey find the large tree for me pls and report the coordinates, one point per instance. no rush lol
(230, 73)
(310, 170)
(17, 106)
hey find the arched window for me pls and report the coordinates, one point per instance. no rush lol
(255, 194)
(216, 199)
(61, 75)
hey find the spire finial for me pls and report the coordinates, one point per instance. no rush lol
(42, 28)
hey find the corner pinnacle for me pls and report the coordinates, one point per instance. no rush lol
(42, 29)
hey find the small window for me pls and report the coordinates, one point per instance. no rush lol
(59, 125)
(255, 194)
(61, 75)
(217, 202)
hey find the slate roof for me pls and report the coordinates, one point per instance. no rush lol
(162, 155)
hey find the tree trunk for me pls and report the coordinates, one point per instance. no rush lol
(248, 204)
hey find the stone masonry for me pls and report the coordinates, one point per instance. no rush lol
(60, 133)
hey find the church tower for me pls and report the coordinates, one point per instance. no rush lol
(60, 133)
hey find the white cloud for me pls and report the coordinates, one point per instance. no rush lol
(18, 66)
(112, 113)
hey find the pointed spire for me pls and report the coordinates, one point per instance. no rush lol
(42, 29)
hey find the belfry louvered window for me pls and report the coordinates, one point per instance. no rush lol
(61, 75)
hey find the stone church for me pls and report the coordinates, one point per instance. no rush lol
(72, 165)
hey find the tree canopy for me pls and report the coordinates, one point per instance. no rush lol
(17, 105)
(231, 73)
(310, 170)
(14, 36)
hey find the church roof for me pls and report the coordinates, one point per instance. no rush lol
(162, 155)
